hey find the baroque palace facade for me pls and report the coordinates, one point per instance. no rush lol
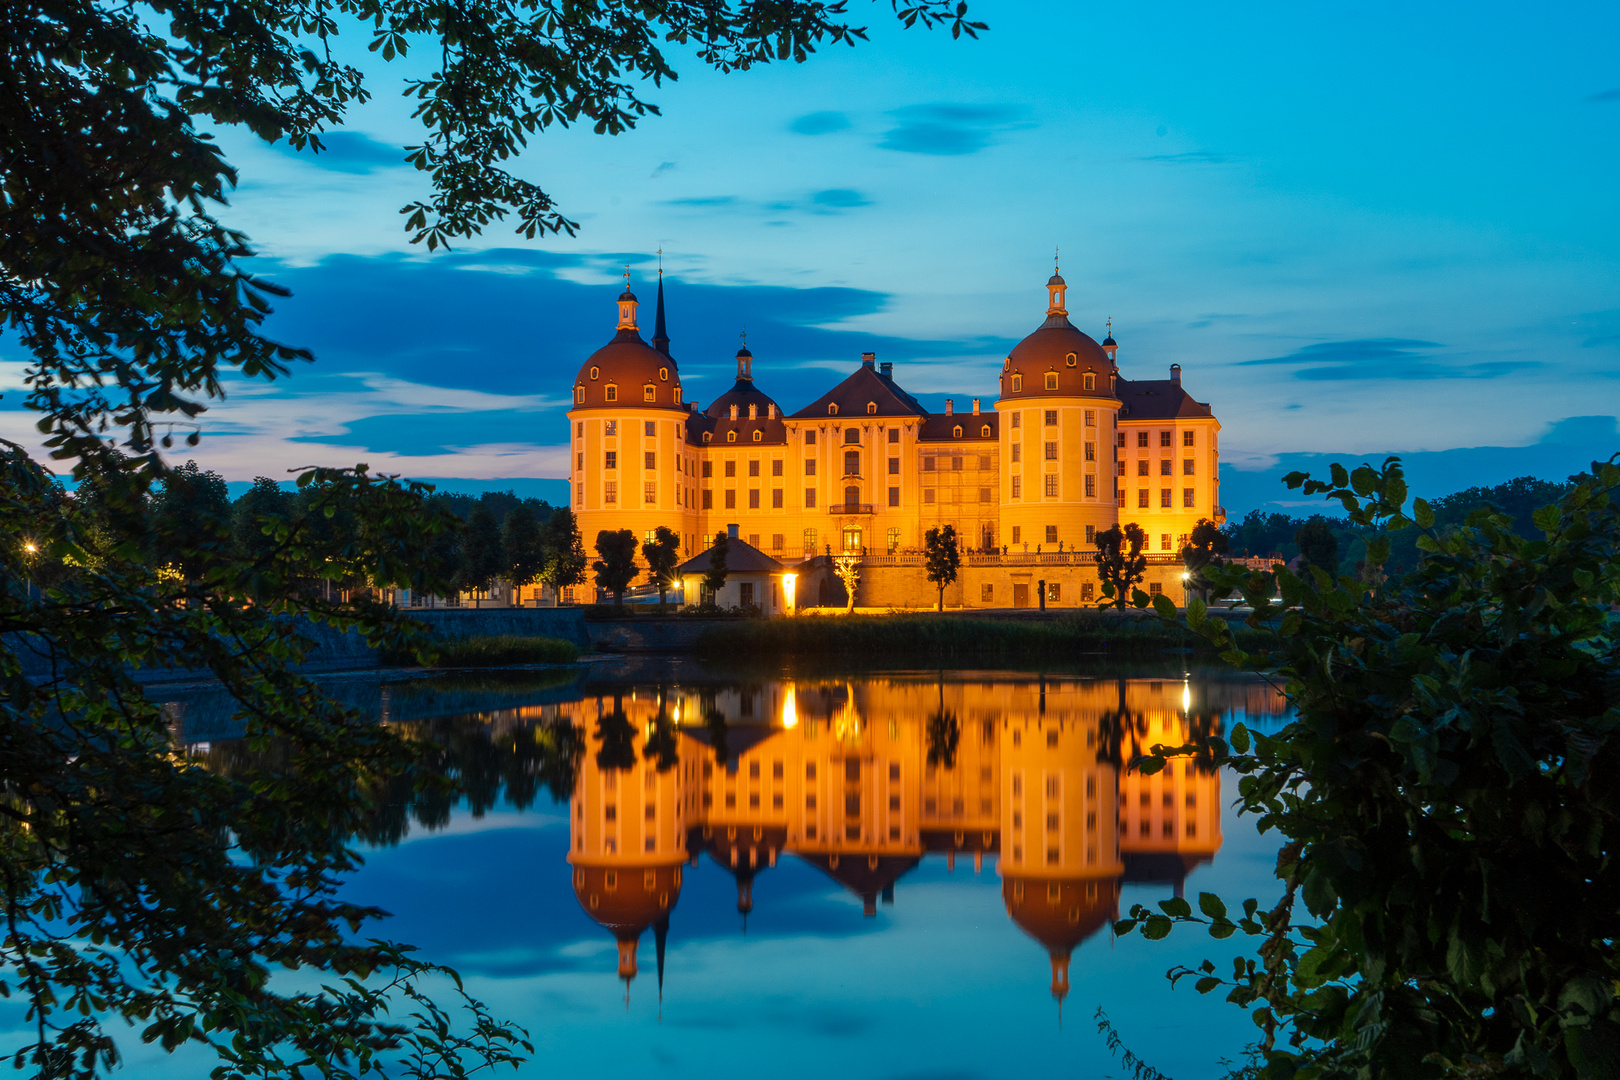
(1069, 449)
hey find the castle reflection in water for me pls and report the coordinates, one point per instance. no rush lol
(864, 778)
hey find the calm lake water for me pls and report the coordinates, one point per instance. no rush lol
(898, 874)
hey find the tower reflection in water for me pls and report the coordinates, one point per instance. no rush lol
(864, 779)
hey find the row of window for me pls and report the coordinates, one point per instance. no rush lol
(1089, 381)
(610, 392)
(1166, 467)
(1189, 498)
(1187, 439)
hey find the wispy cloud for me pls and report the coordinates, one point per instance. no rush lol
(826, 201)
(1603, 97)
(349, 152)
(663, 167)
(820, 123)
(949, 130)
(1365, 359)
(1190, 157)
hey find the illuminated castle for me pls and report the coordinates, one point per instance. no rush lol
(1071, 448)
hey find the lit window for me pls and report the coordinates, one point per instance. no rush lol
(649, 494)
(810, 547)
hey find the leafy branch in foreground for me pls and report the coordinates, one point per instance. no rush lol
(1448, 792)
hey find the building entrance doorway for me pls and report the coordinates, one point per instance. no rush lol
(852, 538)
(1020, 595)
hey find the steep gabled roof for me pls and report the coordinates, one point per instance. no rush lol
(863, 387)
(941, 427)
(1157, 399)
(741, 558)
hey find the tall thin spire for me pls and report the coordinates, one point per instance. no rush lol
(660, 340)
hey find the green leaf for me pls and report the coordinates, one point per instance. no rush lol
(1423, 513)
(1176, 906)
(1240, 739)
(1211, 905)
(1547, 518)
(1156, 927)
(1164, 606)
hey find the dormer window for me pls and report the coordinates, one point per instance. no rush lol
(871, 408)
(832, 408)
(1006, 365)
(663, 374)
(759, 436)
(984, 432)
(612, 392)
(649, 393)
(1069, 360)
(956, 432)
(707, 435)
(677, 395)
(731, 436)
(1018, 383)
(1091, 381)
(1051, 380)
(579, 395)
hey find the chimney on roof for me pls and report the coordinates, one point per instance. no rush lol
(886, 369)
(731, 532)
(975, 406)
(734, 411)
(1175, 374)
(868, 359)
(753, 411)
(770, 411)
(950, 406)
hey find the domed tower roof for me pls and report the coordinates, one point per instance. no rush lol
(743, 851)
(868, 876)
(1057, 346)
(629, 366)
(1060, 913)
(745, 408)
(626, 900)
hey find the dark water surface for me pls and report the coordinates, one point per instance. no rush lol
(899, 874)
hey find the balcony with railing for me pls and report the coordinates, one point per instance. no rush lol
(850, 508)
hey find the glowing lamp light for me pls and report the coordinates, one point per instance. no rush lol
(1186, 698)
(788, 581)
(29, 547)
(790, 706)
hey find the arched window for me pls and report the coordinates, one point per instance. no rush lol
(985, 433)
(1018, 383)
(871, 408)
(707, 435)
(677, 395)
(956, 432)
(852, 463)
(1051, 380)
(731, 436)
(1006, 365)
(649, 393)
(612, 392)
(1091, 381)
(595, 372)
(758, 436)
(663, 374)
(852, 435)
(832, 408)
(1069, 359)
(579, 395)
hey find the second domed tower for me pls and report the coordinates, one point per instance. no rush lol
(1059, 411)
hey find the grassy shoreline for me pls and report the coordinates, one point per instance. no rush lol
(952, 636)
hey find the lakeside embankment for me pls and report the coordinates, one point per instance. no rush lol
(948, 636)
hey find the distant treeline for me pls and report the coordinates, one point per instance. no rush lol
(1330, 541)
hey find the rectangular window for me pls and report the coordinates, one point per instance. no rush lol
(894, 466)
(1122, 440)
(810, 549)
(613, 459)
(1017, 419)
(1142, 467)
(753, 467)
(956, 462)
(894, 434)
(1051, 418)
(984, 494)
(1091, 451)
(1051, 534)
(651, 458)
(928, 464)
(1051, 451)
(810, 437)
(610, 492)
(1054, 592)
(731, 498)
(1187, 499)
(1017, 537)
(649, 492)
(1017, 487)
(1164, 541)
(1186, 438)
(649, 428)
(1164, 438)
(894, 540)
(1154, 589)
(1091, 418)
(776, 467)
(809, 466)
(610, 428)
(894, 496)
(707, 469)
(984, 461)
(1091, 486)
(1086, 592)
(1164, 498)
(731, 468)
(1017, 452)
(1051, 485)
(987, 593)
(928, 496)
(1187, 467)
(1091, 534)
(1142, 439)
(753, 498)
(1119, 468)
(581, 466)
(776, 499)
(1141, 498)
(708, 499)
(776, 541)
(810, 499)
(1166, 467)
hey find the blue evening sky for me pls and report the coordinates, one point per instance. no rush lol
(1359, 229)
